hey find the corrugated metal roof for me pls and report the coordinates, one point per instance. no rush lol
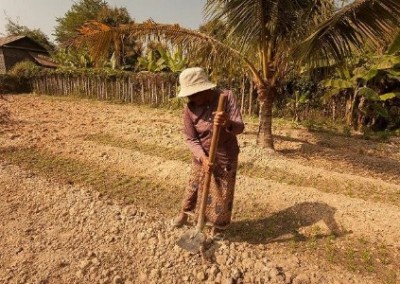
(43, 60)
(8, 39)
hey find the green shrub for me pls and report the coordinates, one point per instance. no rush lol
(24, 69)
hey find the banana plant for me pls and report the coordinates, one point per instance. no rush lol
(72, 57)
(175, 60)
(151, 62)
(363, 86)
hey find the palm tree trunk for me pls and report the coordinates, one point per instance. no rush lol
(350, 104)
(242, 91)
(264, 135)
(349, 101)
(251, 89)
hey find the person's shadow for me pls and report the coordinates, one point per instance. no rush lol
(284, 225)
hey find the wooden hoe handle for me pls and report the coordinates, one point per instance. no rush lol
(211, 158)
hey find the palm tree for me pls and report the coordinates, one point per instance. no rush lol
(269, 29)
(277, 30)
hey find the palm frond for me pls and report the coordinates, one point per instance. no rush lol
(254, 19)
(240, 17)
(173, 33)
(92, 29)
(313, 14)
(364, 23)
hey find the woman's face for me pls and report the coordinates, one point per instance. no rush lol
(201, 98)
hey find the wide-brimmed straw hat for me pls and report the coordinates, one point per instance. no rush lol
(192, 81)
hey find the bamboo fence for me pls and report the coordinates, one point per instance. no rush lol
(148, 88)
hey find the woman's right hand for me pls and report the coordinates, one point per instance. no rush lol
(205, 164)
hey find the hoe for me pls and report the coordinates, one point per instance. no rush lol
(194, 240)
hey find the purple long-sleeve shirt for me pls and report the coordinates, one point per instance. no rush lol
(198, 126)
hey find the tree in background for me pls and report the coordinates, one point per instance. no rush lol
(80, 12)
(113, 16)
(125, 50)
(89, 16)
(13, 28)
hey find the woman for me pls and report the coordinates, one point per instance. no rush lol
(198, 117)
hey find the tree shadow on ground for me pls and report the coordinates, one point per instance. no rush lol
(284, 225)
(351, 150)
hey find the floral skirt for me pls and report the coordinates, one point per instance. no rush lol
(220, 197)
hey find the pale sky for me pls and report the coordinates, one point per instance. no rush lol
(42, 14)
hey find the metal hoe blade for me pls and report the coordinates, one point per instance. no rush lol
(192, 241)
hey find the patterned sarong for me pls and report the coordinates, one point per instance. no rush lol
(220, 197)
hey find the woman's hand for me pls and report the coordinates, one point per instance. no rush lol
(205, 164)
(220, 118)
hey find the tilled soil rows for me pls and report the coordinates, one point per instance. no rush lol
(88, 189)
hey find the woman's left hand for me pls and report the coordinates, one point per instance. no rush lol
(220, 118)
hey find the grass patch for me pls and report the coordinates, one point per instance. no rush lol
(168, 153)
(359, 256)
(348, 188)
(138, 190)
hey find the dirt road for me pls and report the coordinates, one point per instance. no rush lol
(87, 190)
